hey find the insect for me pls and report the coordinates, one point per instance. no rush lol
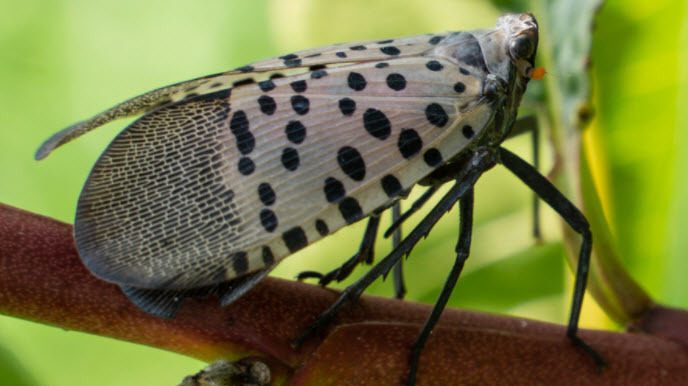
(225, 175)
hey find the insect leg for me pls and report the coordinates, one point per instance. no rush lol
(462, 251)
(398, 274)
(365, 254)
(482, 160)
(523, 125)
(414, 208)
(555, 199)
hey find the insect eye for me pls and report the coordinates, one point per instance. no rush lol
(522, 47)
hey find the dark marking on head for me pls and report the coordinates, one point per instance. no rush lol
(351, 162)
(347, 106)
(377, 124)
(391, 185)
(432, 157)
(268, 219)
(350, 210)
(295, 239)
(436, 115)
(470, 52)
(334, 189)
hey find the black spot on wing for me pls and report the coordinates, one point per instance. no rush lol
(295, 239)
(295, 131)
(391, 185)
(268, 257)
(470, 52)
(334, 189)
(350, 209)
(377, 124)
(321, 227)
(351, 163)
(268, 219)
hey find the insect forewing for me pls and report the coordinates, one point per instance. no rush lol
(217, 185)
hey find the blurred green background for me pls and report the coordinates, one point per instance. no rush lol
(63, 61)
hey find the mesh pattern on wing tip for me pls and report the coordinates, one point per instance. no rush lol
(156, 203)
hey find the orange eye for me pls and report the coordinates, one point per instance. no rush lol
(538, 73)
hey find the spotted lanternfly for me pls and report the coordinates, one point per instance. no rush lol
(225, 175)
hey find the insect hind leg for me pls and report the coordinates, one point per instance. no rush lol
(555, 199)
(462, 251)
(365, 254)
(398, 274)
(482, 160)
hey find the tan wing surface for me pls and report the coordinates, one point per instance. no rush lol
(257, 174)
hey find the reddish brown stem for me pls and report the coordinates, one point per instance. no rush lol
(42, 279)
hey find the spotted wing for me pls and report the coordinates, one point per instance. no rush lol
(261, 71)
(216, 186)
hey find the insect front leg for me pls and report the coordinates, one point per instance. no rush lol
(521, 126)
(555, 199)
(462, 251)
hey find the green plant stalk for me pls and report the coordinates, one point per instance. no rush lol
(567, 115)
